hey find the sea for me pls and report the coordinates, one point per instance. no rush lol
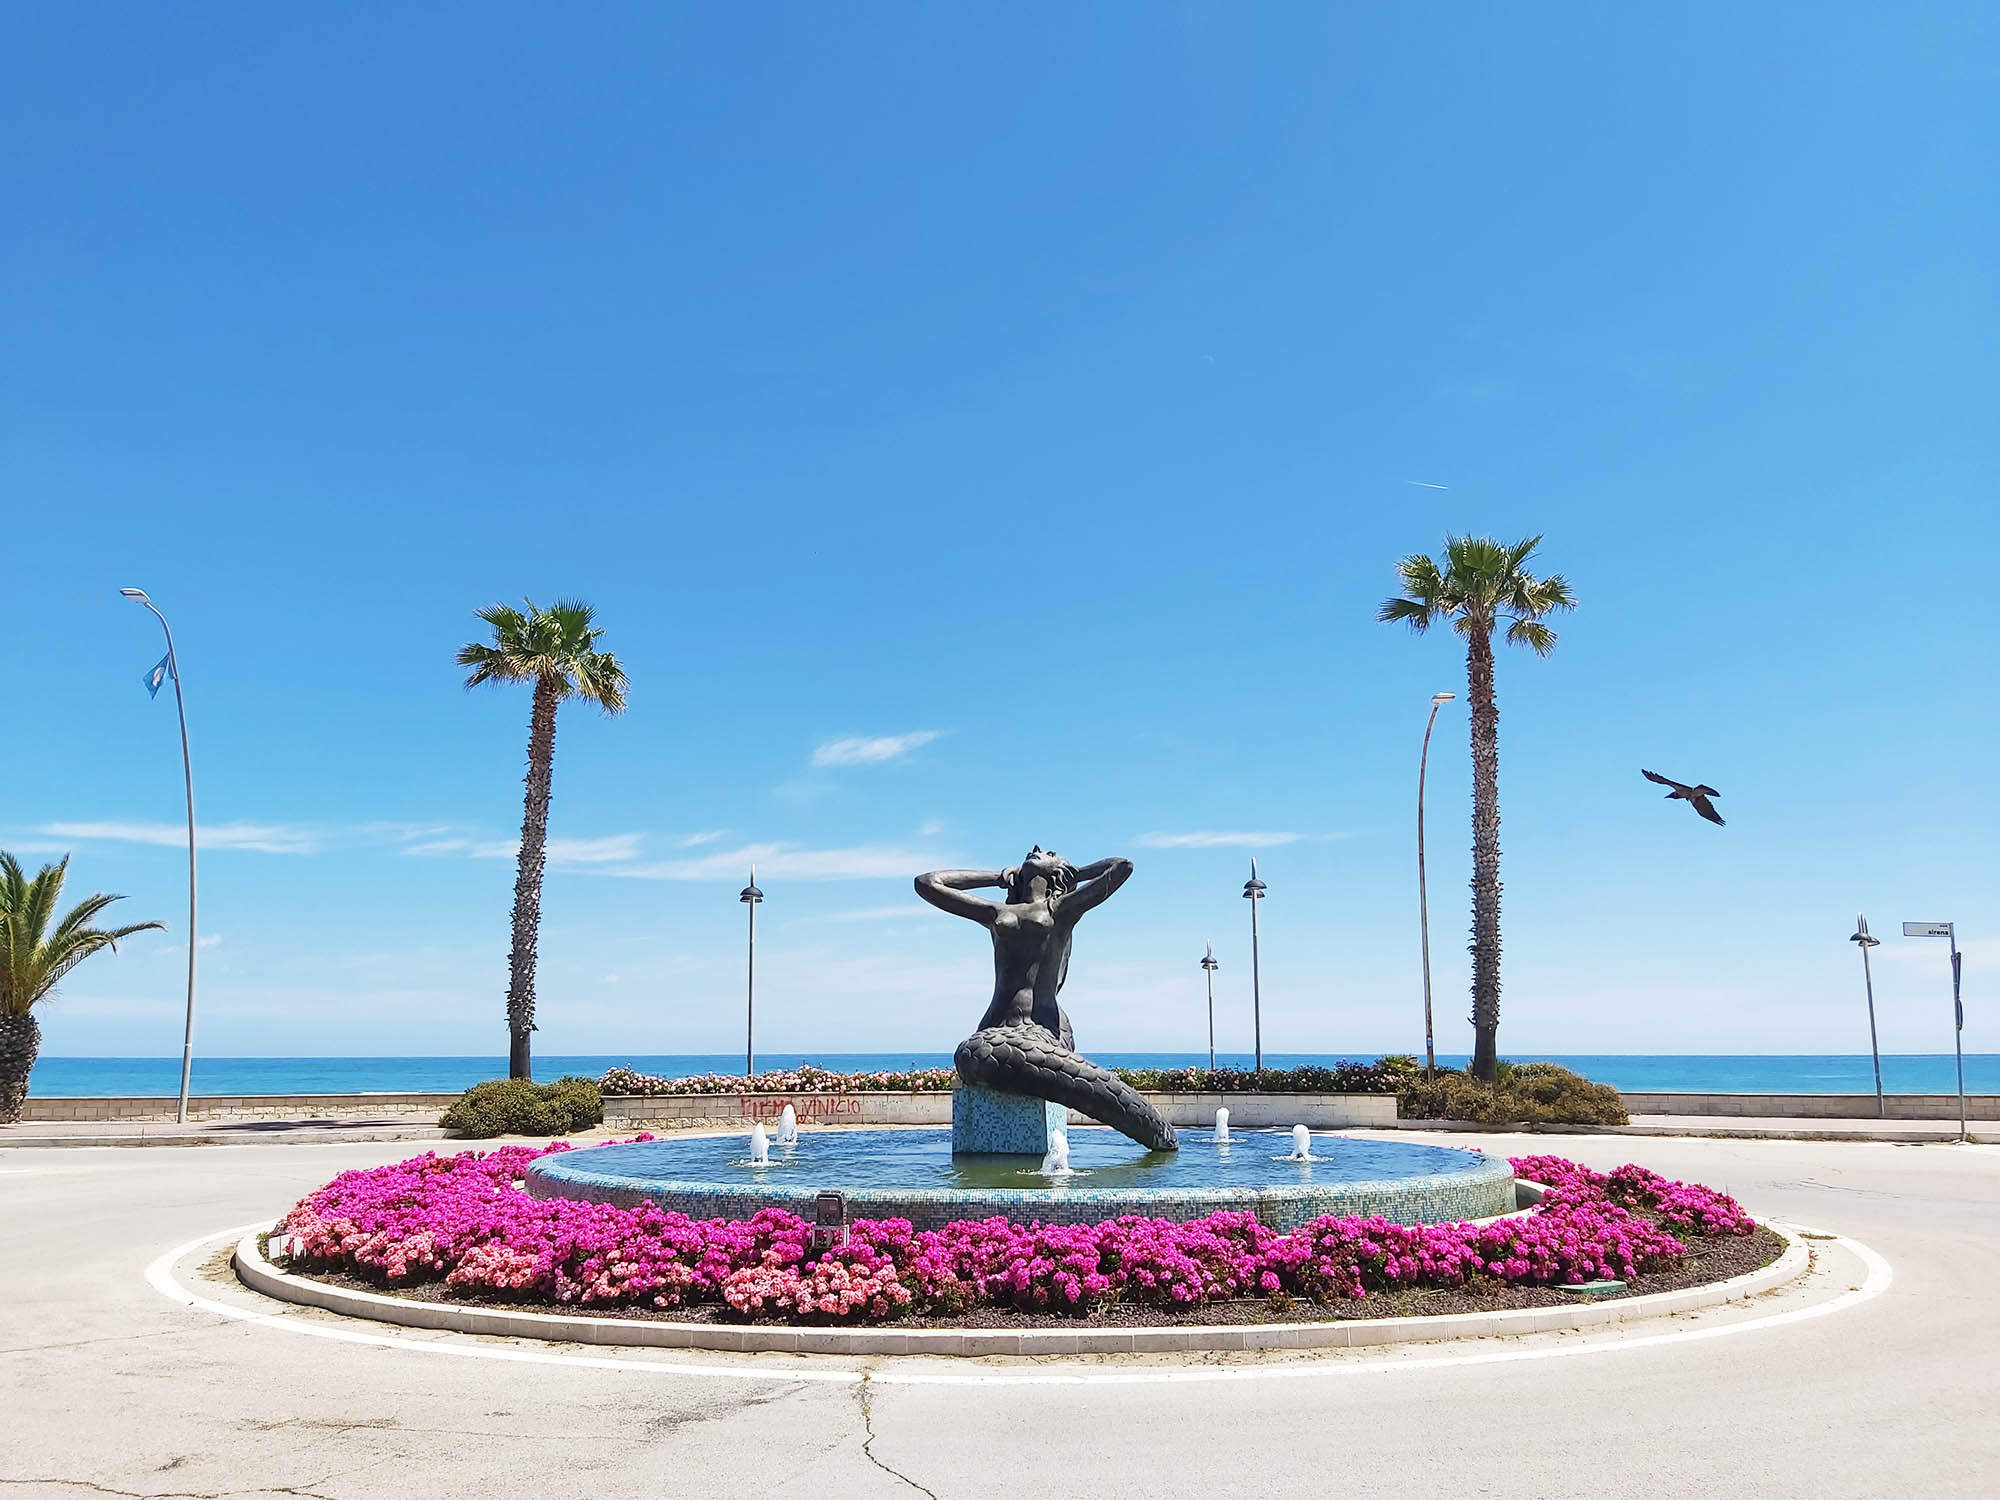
(84, 1077)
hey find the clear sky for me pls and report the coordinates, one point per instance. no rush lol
(982, 426)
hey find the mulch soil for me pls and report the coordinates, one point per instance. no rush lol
(1707, 1260)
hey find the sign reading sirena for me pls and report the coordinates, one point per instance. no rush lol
(1927, 929)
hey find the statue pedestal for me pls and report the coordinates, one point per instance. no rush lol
(986, 1122)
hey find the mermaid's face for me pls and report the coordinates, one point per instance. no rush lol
(1041, 875)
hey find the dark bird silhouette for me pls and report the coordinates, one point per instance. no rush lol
(1695, 796)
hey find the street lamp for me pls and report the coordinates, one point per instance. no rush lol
(1438, 701)
(1208, 962)
(1253, 892)
(138, 596)
(1868, 977)
(1949, 933)
(751, 897)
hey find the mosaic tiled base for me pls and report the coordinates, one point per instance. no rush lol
(1483, 1187)
(986, 1122)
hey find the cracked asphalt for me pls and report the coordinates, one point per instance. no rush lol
(107, 1387)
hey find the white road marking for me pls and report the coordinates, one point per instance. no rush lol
(160, 1275)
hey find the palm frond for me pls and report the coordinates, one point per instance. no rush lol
(35, 954)
(1532, 634)
(1413, 612)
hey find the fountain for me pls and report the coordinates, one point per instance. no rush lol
(1056, 1163)
(1020, 1080)
(788, 1127)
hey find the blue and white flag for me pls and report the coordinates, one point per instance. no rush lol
(159, 675)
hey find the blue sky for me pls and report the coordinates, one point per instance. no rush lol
(987, 426)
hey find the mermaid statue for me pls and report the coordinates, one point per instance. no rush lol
(1024, 1044)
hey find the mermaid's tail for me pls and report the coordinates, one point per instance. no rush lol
(1025, 1059)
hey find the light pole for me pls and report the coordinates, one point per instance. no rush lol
(1208, 963)
(1253, 892)
(138, 596)
(1438, 701)
(1868, 977)
(751, 897)
(1949, 933)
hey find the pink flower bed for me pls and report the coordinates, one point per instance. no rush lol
(802, 1080)
(467, 1221)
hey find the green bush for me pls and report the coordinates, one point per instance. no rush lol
(1310, 1078)
(1536, 1093)
(514, 1106)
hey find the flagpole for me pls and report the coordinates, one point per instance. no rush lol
(187, 773)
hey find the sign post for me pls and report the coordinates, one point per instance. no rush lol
(1949, 933)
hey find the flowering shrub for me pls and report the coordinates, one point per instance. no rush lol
(801, 1080)
(466, 1221)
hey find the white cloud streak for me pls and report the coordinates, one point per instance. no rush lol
(787, 862)
(864, 751)
(1215, 840)
(264, 838)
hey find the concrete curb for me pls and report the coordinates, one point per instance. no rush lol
(172, 1136)
(1928, 1134)
(257, 1273)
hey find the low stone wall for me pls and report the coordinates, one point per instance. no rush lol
(1815, 1106)
(1248, 1111)
(426, 1107)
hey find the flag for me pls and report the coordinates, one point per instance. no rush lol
(159, 675)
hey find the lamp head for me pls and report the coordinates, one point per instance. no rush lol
(750, 895)
(137, 596)
(1442, 697)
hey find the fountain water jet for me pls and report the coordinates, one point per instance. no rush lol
(1056, 1163)
(760, 1146)
(1222, 1127)
(788, 1127)
(1301, 1145)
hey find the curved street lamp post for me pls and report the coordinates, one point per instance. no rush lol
(138, 596)
(1868, 978)
(1438, 701)
(1253, 892)
(751, 897)
(1209, 964)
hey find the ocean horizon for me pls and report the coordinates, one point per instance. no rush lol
(1748, 1073)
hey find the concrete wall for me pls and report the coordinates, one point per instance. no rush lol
(244, 1107)
(1816, 1106)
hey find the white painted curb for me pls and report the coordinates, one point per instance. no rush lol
(257, 1273)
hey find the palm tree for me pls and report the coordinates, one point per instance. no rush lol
(34, 957)
(1480, 583)
(556, 650)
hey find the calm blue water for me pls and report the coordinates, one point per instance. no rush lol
(73, 1077)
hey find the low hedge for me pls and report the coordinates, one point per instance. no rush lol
(515, 1106)
(1533, 1093)
(1311, 1078)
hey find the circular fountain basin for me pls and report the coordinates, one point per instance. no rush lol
(911, 1174)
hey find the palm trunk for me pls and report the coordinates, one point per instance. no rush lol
(1485, 944)
(20, 1040)
(528, 881)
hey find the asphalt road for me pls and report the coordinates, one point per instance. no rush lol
(107, 1386)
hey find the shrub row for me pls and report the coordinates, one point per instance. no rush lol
(514, 1106)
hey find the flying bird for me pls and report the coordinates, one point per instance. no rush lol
(1426, 485)
(1695, 796)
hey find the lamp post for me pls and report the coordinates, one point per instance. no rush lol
(138, 596)
(1949, 933)
(1210, 965)
(1438, 701)
(1253, 892)
(751, 897)
(1866, 942)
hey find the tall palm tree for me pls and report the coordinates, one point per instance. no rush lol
(556, 650)
(1479, 583)
(34, 956)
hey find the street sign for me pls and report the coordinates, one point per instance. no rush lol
(1927, 929)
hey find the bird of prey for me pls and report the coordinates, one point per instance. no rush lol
(1695, 796)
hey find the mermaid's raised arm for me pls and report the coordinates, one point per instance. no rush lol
(950, 890)
(1095, 883)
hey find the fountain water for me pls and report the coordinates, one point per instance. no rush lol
(760, 1147)
(1302, 1145)
(1056, 1163)
(788, 1127)
(1222, 1127)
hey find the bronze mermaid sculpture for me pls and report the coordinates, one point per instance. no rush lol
(1024, 1044)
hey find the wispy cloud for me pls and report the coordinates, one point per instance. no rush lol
(787, 862)
(864, 751)
(265, 838)
(610, 849)
(1215, 840)
(694, 840)
(880, 913)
